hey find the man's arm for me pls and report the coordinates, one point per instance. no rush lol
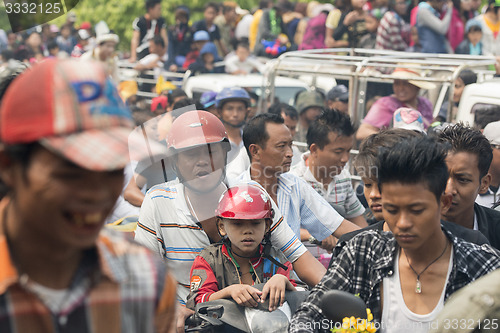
(359, 221)
(309, 270)
(318, 216)
(163, 34)
(365, 130)
(345, 227)
(134, 43)
(132, 192)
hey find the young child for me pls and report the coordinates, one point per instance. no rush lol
(472, 44)
(372, 21)
(244, 257)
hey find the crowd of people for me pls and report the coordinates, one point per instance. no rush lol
(218, 197)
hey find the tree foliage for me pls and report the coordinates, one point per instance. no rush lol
(119, 14)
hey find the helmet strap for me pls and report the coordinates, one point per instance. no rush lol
(266, 242)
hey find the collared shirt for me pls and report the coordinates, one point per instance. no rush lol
(374, 253)
(167, 227)
(339, 194)
(302, 207)
(118, 287)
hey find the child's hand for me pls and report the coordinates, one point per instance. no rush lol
(245, 295)
(275, 288)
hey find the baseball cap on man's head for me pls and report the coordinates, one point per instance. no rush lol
(338, 93)
(409, 119)
(492, 132)
(208, 98)
(201, 35)
(308, 99)
(71, 108)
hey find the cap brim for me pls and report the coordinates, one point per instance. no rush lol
(402, 75)
(103, 150)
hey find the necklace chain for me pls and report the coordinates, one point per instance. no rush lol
(418, 286)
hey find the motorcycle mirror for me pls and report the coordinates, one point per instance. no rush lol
(337, 304)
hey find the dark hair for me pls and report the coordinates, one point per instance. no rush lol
(412, 161)
(52, 44)
(7, 55)
(330, 121)
(278, 108)
(366, 160)
(213, 5)
(255, 131)
(151, 3)
(185, 102)
(158, 40)
(22, 154)
(178, 92)
(462, 138)
(227, 9)
(483, 115)
(244, 44)
(467, 76)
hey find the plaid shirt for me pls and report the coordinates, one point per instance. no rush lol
(119, 287)
(368, 258)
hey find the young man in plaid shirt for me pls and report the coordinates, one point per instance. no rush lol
(64, 135)
(405, 276)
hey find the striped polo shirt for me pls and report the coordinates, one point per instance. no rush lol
(167, 227)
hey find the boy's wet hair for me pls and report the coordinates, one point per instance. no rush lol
(330, 121)
(462, 138)
(366, 160)
(255, 131)
(414, 161)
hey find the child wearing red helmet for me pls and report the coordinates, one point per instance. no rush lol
(228, 269)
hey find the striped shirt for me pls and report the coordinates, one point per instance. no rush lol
(167, 227)
(339, 194)
(393, 33)
(118, 287)
(374, 253)
(302, 206)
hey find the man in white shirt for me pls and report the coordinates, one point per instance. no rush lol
(241, 62)
(268, 143)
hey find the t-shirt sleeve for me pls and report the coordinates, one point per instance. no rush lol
(148, 232)
(283, 237)
(332, 21)
(353, 206)
(137, 24)
(380, 114)
(203, 282)
(317, 215)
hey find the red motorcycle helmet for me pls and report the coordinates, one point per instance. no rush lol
(195, 128)
(245, 202)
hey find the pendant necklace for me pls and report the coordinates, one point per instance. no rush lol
(418, 286)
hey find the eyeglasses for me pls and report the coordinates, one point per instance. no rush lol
(494, 146)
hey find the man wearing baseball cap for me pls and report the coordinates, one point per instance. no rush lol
(62, 156)
(492, 195)
(338, 98)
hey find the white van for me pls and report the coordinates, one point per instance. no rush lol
(285, 88)
(477, 97)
